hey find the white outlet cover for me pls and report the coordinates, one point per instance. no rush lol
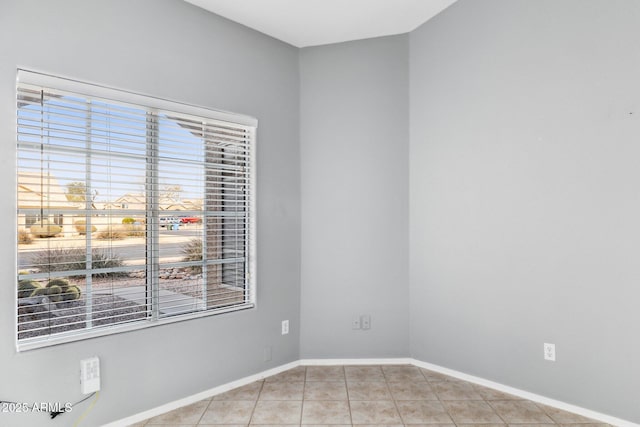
(285, 327)
(550, 352)
(90, 375)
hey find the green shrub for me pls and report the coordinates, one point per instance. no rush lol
(63, 283)
(72, 293)
(65, 259)
(27, 287)
(40, 292)
(24, 238)
(81, 227)
(56, 290)
(61, 290)
(128, 220)
(45, 229)
(54, 293)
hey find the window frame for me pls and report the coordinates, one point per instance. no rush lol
(150, 103)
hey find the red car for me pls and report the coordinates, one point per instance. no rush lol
(189, 219)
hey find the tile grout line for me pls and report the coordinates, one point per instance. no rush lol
(541, 407)
(346, 387)
(441, 401)
(493, 409)
(203, 412)
(395, 403)
(487, 402)
(482, 399)
(304, 389)
(255, 405)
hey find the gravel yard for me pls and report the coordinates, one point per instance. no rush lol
(107, 308)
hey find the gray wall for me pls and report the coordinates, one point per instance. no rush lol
(525, 196)
(169, 49)
(522, 187)
(354, 160)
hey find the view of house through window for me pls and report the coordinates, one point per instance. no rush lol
(127, 213)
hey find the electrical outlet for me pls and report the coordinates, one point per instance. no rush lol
(550, 352)
(355, 322)
(90, 375)
(365, 321)
(285, 327)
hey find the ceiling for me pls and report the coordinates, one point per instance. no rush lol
(316, 22)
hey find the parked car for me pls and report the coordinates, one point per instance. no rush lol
(168, 221)
(190, 220)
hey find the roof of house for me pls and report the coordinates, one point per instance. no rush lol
(36, 190)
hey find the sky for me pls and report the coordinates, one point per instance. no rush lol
(118, 138)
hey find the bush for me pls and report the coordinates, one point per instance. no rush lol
(192, 251)
(45, 229)
(56, 290)
(61, 290)
(54, 293)
(62, 283)
(128, 220)
(81, 226)
(72, 293)
(26, 288)
(112, 233)
(65, 259)
(134, 230)
(24, 238)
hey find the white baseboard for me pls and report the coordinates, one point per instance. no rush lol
(328, 362)
(527, 395)
(159, 410)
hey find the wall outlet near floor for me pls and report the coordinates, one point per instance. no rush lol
(550, 352)
(365, 321)
(285, 327)
(355, 322)
(90, 375)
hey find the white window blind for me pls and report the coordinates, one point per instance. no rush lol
(132, 211)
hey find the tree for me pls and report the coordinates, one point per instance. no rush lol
(171, 192)
(76, 192)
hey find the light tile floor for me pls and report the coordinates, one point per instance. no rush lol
(394, 395)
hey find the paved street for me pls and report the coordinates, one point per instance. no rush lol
(131, 250)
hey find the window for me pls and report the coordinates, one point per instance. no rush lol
(131, 211)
